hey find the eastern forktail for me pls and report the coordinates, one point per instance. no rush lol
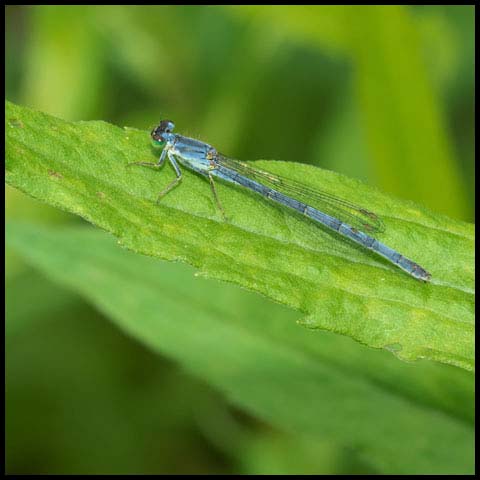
(335, 213)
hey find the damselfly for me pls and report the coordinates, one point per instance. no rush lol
(335, 213)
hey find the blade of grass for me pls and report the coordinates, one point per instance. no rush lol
(401, 114)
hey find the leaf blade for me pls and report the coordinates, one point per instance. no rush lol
(82, 167)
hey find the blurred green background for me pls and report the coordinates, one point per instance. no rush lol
(383, 94)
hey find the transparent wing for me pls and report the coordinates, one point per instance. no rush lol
(344, 210)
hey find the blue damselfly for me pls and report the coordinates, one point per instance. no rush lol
(330, 211)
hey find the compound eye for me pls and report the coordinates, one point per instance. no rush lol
(166, 126)
(156, 135)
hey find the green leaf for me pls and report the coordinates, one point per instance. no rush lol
(400, 418)
(83, 168)
(60, 351)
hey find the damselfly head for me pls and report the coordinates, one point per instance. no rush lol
(158, 133)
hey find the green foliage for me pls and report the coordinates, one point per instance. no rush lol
(399, 111)
(320, 386)
(83, 168)
(383, 94)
